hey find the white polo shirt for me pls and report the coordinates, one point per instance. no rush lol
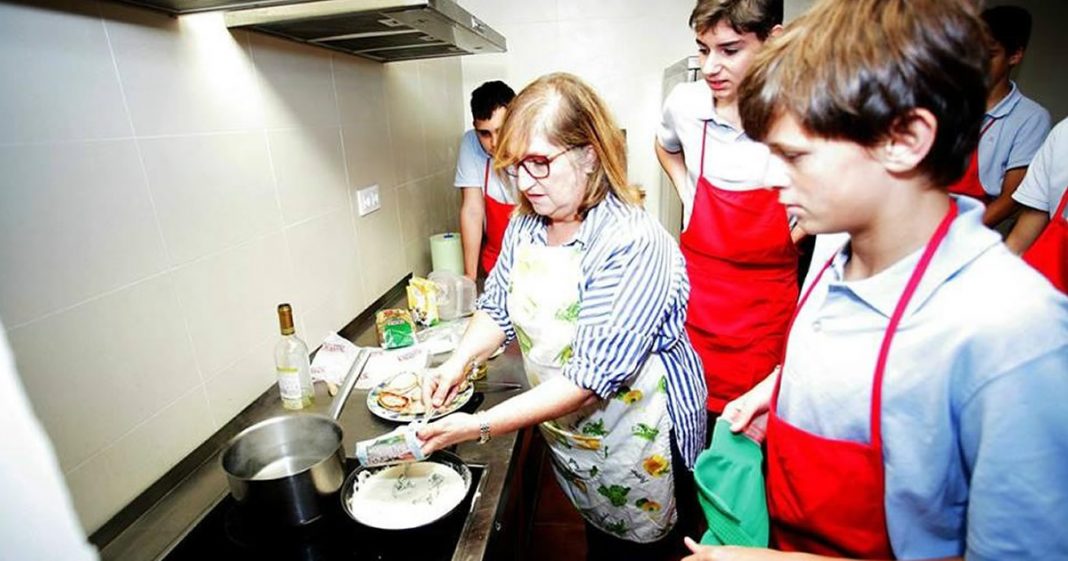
(1047, 178)
(733, 161)
(1020, 125)
(471, 170)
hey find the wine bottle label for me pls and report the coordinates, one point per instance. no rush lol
(289, 383)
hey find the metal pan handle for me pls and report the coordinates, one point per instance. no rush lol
(350, 382)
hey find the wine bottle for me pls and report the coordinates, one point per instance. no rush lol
(292, 364)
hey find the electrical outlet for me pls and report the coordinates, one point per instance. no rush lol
(367, 200)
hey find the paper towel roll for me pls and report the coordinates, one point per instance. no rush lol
(447, 253)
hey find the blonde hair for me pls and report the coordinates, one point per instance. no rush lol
(568, 112)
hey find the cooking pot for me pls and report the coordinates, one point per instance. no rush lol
(288, 468)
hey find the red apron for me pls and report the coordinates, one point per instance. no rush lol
(742, 266)
(970, 184)
(497, 216)
(1049, 253)
(825, 496)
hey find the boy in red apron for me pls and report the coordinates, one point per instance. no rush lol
(487, 196)
(1041, 233)
(918, 413)
(740, 256)
(1013, 125)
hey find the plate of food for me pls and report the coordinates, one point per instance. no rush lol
(400, 399)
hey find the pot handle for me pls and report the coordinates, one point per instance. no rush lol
(350, 382)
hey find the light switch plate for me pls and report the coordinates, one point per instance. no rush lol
(367, 200)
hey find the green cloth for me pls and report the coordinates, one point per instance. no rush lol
(730, 488)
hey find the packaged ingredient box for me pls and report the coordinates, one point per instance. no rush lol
(395, 328)
(423, 301)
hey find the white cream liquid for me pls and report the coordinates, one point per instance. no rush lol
(406, 495)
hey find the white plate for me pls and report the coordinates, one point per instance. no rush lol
(404, 417)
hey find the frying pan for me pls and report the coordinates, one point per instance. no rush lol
(421, 515)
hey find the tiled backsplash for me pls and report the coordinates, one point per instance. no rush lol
(166, 183)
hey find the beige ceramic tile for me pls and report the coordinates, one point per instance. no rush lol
(75, 221)
(97, 370)
(339, 308)
(369, 157)
(380, 244)
(230, 300)
(478, 70)
(418, 256)
(48, 93)
(324, 258)
(441, 126)
(406, 109)
(361, 98)
(211, 191)
(183, 75)
(296, 83)
(309, 167)
(235, 387)
(110, 480)
(95, 487)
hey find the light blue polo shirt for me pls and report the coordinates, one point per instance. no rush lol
(1047, 178)
(471, 170)
(975, 426)
(1020, 125)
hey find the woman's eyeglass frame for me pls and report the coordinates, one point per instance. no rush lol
(537, 160)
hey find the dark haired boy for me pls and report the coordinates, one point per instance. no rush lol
(919, 412)
(740, 256)
(1013, 127)
(488, 198)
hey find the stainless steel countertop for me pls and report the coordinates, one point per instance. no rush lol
(157, 531)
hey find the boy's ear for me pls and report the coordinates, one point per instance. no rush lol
(909, 141)
(1016, 57)
(775, 30)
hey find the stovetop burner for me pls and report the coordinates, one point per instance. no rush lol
(230, 532)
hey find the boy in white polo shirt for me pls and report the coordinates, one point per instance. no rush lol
(488, 199)
(740, 256)
(1014, 125)
(1044, 196)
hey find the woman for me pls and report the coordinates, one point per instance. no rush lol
(595, 291)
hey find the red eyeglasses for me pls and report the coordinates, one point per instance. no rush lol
(537, 166)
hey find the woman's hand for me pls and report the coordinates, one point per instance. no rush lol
(730, 553)
(453, 429)
(441, 384)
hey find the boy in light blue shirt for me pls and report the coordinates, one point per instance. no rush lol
(919, 412)
(1015, 124)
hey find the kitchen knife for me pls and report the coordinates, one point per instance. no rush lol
(491, 387)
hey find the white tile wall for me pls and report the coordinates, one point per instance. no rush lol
(38, 44)
(166, 184)
(309, 168)
(76, 220)
(227, 198)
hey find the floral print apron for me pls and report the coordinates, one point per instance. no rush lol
(613, 458)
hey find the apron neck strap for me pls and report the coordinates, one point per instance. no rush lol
(704, 137)
(875, 417)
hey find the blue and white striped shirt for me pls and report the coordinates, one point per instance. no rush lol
(633, 305)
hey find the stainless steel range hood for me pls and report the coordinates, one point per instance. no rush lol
(382, 30)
